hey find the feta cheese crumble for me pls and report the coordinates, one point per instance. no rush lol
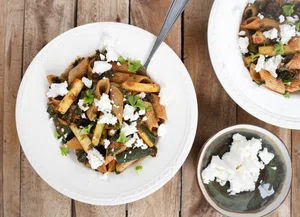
(243, 43)
(240, 166)
(265, 190)
(287, 32)
(58, 89)
(129, 113)
(104, 104)
(129, 129)
(87, 82)
(82, 105)
(101, 67)
(271, 34)
(161, 131)
(106, 143)
(292, 19)
(281, 19)
(102, 57)
(266, 156)
(142, 95)
(242, 33)
(260, 16)
(272, 64)
(260, 63)
(95, 158)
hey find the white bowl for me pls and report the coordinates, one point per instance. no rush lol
(264, 104)
(65, 174)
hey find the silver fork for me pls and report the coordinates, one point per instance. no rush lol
(175, 10)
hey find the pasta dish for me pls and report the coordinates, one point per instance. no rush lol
(269, 39)
(106, 112)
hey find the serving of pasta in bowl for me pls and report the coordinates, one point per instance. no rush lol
(93, 126)
(257, 61)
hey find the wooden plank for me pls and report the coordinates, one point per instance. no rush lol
(101, 11)
(12, 13)
(44, 20)
(2, 63)
(285, 136)
(164, 202)
(296, 173)
(216, 109)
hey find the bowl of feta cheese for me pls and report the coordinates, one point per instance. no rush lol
(252, 50)
(244, 170)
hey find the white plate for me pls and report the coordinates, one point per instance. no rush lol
(65, 174)
(226, 58)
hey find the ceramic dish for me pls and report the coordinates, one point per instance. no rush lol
(223, 29)
(247, 203)
(63, 173)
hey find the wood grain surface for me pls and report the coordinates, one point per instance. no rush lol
(165, 201)
(44, 20)
(26, 26)
(101, 11)
(11, 69)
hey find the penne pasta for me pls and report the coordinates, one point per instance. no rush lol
(102, 169)
(84, 140)
(111, 166)
(74, 144)
(151, 121)
(123, 67)
(271, 82)
(294, 63)
(256, 23)
(117, 97)
(294, 86)
(97, 134)
(68, 99)
(102, 86)
(140, 87)
(113, 150)
(254, 75)
(79, 71)
(120, 77)
(159, 109)
(250, 11)
(122, 166)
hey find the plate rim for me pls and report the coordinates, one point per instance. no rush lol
(188, 141)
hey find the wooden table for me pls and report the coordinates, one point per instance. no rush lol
(28, 25)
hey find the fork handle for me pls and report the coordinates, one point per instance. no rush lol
(175, 10)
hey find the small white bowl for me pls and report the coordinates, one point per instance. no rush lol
(247, 204)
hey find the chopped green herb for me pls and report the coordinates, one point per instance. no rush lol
(122, 138)
(133, 67)
(254, 56)
(138, 169)
(288, 9)
(121, 59)
(287, 94)
(297, 24)
(278, 48)
(89, 97)
(64, 150)
(148, 109)
(136, 102)
(286, 82)
(56, 134)
(86, 130)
